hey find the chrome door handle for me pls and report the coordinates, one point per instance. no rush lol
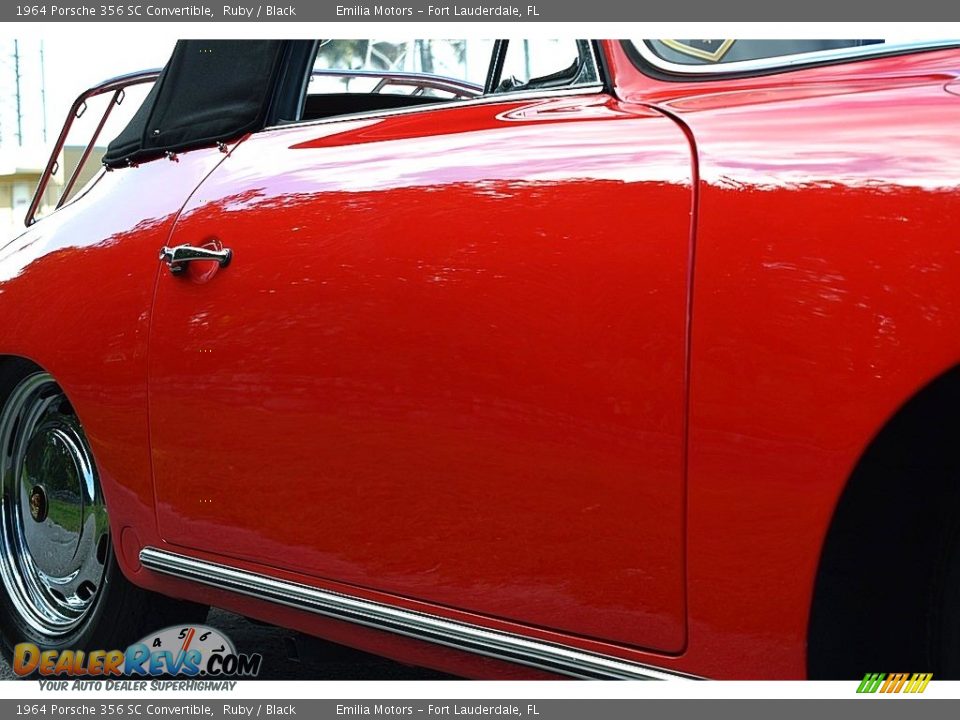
(178, 257)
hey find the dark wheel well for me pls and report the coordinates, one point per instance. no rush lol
(880, 588)
(17, 360)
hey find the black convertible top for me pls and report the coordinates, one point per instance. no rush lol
(210, 91)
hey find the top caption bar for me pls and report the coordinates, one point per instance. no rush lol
(486, 11)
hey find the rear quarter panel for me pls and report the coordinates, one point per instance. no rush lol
(826, 293)
(75, 296)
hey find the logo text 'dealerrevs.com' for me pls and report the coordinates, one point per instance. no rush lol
(191, 651)
(894, 682)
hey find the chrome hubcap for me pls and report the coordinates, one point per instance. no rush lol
(53, 522)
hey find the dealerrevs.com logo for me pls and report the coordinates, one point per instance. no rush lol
(188, 651)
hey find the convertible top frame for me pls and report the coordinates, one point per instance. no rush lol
(117, 86)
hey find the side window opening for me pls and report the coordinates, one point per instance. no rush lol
(351, 76)
(543, 64)
(355, 76)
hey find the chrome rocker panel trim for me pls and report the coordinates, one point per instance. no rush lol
(422, 626)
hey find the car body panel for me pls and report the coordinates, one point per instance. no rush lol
(96, 259)
(406, 379)
(824, 294)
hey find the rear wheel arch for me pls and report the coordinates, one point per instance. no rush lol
(884, 597)
(116, 612)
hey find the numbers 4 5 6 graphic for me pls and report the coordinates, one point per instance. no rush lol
(190, 651)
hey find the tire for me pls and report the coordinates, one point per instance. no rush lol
(887, 594)
(946, 622)
(63, 588)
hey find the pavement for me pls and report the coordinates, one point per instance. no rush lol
(318, 660)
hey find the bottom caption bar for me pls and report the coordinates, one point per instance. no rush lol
(554, 709)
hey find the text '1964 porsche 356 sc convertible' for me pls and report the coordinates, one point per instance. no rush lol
(606, 359)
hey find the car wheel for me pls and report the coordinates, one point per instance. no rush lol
(63, 587)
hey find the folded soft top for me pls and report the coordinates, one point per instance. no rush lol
(209, 91)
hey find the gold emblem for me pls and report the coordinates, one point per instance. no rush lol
(38, 505)
(710, 50)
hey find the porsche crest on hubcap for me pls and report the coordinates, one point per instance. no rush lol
(38, 504)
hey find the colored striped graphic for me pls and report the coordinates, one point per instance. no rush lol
(894, 682)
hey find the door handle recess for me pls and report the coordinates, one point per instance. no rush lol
(177, 257)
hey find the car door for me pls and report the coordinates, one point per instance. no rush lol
(445, 362)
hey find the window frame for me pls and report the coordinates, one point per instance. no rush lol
(601, 85)
(499, 57)
(656, 67)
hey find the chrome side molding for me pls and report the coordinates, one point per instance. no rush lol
(422, 626)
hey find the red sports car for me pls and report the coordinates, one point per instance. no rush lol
(629, 359)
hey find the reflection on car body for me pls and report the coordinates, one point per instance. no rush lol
(591, 358)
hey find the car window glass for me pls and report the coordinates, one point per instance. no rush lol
(538, 64)
(360, 76)
(431, 68)
(720, 52)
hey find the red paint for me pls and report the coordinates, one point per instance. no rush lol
(825, 296)
(447, 366)
(408, 367)
(75, 297)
